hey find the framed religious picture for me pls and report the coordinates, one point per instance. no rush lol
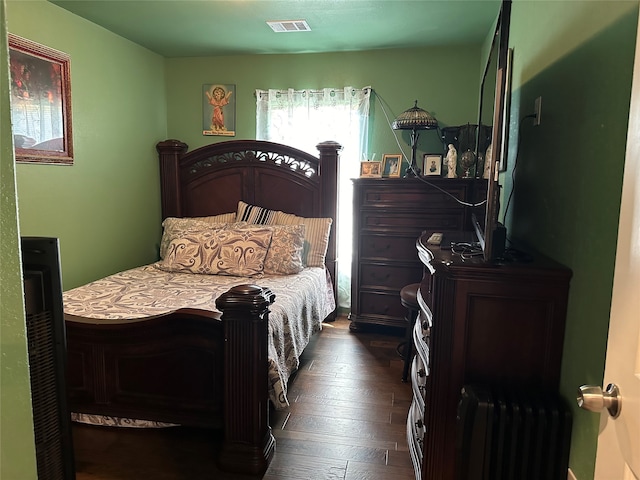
(432, 164)
(370, 169)
(40, 103)
(391, 165)
(219, 109)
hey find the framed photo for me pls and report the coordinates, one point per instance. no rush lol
(391, 165)
(432, 164)
(219, 109)
(40, 103)
(371, 169)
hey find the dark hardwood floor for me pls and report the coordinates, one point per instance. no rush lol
(346, 421)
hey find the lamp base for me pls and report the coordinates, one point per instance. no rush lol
(412, 172)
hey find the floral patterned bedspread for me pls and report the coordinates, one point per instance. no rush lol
(302, 302)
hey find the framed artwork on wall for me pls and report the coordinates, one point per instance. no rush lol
(432, 164)
(40, 103)
(391, 165)
(219, 109)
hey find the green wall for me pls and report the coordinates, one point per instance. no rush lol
(106, 212)
(443, 80)
(105, 208)
(569, 169)
(17, 452)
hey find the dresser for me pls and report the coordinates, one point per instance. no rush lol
(479, 323)
(388, 215)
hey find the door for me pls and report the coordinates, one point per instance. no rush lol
(618, 455)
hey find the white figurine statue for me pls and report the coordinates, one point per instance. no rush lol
(452, 160)
(488, 158)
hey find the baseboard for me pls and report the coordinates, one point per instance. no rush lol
(571, 476)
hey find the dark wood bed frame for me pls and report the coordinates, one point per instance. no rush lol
(190, 367)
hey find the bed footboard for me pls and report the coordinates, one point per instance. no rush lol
(188, 367)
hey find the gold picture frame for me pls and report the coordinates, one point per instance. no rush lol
(40, 103)
(391, 165)
(370, 169)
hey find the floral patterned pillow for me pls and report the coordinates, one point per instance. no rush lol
(174, 227)
(285, 252)
(219, 251)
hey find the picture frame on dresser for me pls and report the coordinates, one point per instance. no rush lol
(391, 165)
(432, 164)
(370, 169)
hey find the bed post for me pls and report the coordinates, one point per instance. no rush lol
(248, 442)
(329, 157)
(170, 153)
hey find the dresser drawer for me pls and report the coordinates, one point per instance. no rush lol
(381, 304)
(374, 275)
(420, 195)
(411, 223)
(385, 246)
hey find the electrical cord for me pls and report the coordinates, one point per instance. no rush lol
(467, 250)
(515, 165)
(416, 174)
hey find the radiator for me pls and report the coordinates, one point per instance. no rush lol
(509, 434)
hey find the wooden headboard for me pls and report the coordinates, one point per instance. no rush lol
(210, 180)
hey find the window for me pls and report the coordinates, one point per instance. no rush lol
(304, 118)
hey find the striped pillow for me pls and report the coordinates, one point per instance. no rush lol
(316, 233)
(316, 236)
(254, 214)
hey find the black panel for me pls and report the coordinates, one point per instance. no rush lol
(47, 358)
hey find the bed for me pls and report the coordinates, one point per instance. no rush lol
(211, 359)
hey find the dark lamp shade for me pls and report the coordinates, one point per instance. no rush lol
(415, 119)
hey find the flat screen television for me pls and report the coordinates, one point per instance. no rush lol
(493, 112)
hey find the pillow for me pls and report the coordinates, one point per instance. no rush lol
(316, 236)
(217, 219)
(285, 252)
(219, 251)
(254, 214)
(175, 227)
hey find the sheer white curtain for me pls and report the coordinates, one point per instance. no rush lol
(304, 118)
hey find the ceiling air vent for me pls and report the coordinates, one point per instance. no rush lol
(289, 26)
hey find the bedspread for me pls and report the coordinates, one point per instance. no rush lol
(302, 302)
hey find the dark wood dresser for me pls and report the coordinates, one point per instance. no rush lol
(479, 323)
(388, 215)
